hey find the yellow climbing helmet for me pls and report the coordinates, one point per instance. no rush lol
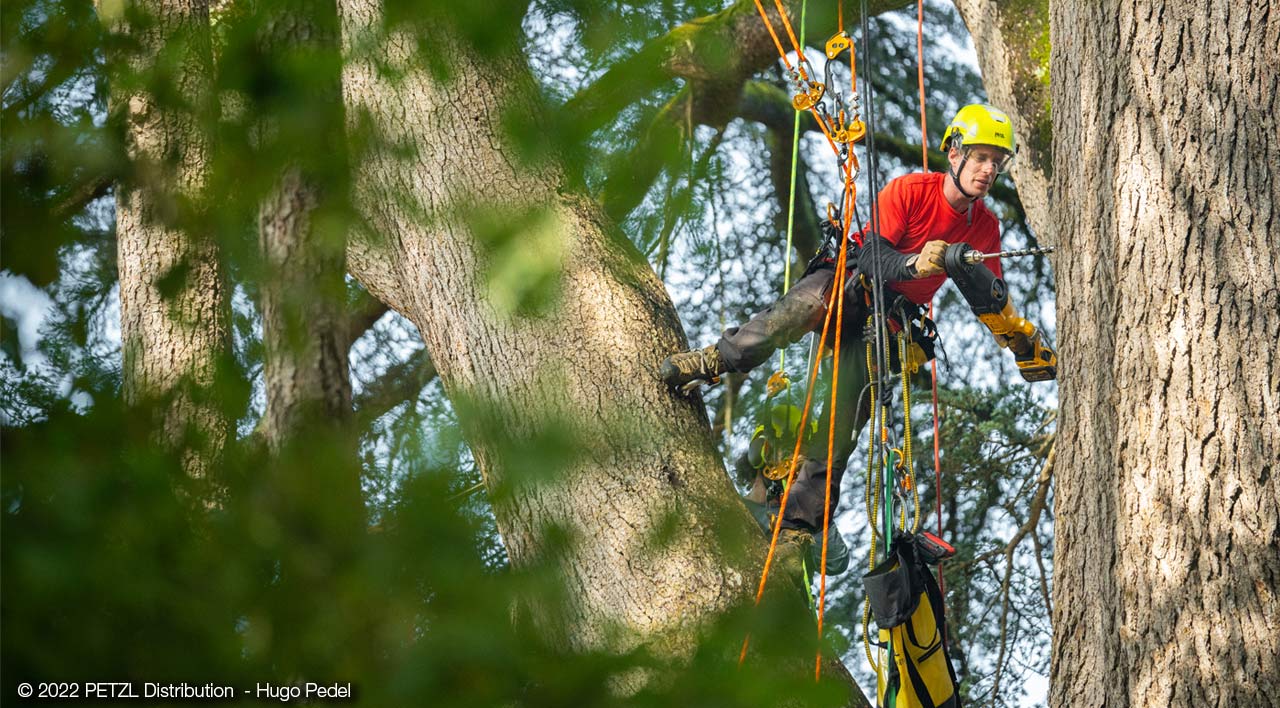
(980, 124)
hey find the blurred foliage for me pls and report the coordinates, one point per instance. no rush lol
(116, 566)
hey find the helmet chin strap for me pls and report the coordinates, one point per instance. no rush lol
(955, 177)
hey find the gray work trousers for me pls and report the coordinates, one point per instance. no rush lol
(800, 311)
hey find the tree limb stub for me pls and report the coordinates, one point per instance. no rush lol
(401, 382)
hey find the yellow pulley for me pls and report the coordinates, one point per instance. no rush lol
(839, 42)
(809, 97)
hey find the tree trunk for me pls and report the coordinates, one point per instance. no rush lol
(314, 469)
(1168, 498)
(174, 312)
(304, 323)
(1011, 38)
(659, 544)
(303, 235)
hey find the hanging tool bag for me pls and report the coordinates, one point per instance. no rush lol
(907, 606)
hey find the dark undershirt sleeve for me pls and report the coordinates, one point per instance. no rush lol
(879, 256)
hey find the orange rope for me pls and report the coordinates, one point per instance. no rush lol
(795, 43)
(795, 458)
(772, 33)
(783, 54)
(924, 134)
(837, 291)
(841, 259)
(838, 286)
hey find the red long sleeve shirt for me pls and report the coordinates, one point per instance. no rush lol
(913, 211)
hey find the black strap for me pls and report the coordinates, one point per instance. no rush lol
(934, 593)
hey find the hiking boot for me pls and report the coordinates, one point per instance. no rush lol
(688, 370)
(795, 547)
(802, 540)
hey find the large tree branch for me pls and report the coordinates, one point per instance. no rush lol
(725, 48)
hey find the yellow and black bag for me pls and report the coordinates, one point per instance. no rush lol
(907, 606)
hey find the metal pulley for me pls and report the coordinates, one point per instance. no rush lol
(810, 95)
(839, 42)
(777, 471)
(844, 131)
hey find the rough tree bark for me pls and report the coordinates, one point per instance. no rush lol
(641, 460)
(1168, 499)
(174, 311)
(303, 236)
(1012, 41)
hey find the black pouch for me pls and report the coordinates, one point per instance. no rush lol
(894, 587)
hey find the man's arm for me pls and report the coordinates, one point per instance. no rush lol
(878, 256)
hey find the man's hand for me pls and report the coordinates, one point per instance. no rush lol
(1039, 362)
(1018, 337)
(929, 261)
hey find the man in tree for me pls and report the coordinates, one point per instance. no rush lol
(918, 217)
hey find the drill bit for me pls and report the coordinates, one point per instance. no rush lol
(978, 256)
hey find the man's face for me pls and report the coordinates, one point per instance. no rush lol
(980, 169)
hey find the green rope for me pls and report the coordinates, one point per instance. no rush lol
(791, 204)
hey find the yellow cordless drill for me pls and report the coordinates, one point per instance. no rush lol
(988, 296)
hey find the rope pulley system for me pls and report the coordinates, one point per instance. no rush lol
(892, 485)
(890, 482)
